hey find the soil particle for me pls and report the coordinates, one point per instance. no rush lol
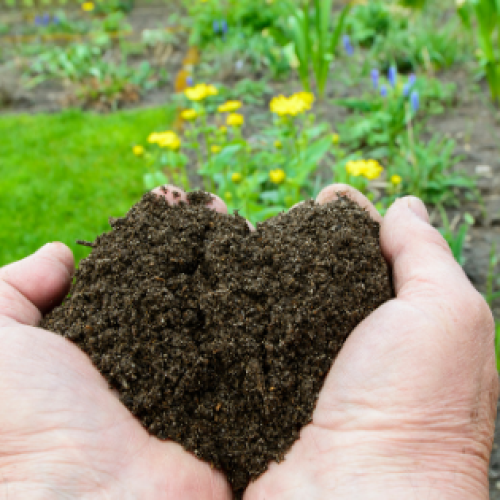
(217, 337)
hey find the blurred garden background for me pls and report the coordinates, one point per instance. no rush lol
(263, 102)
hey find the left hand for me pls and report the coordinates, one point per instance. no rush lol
(63, 433)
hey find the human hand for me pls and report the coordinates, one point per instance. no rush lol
(408, 408)
(63, 433)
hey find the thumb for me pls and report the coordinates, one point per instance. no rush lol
(425, 272)
(34, 285)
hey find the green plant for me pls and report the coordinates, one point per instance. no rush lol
(487, 14)
(493, 280)
(242, 52)
(93, 79)
(164, 155)
(4, 29)
(112, 22)
(421, 46)
(215, 19)
(455, 237)
(380, 115)
(414, 4)
(426, 169)
(259, 176)
(372, 21)
(65, 24)
(247, 90)
(111, 6)
(315, 38)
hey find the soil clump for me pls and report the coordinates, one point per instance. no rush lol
(219, 337)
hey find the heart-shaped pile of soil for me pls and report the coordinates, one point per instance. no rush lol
(217, 337)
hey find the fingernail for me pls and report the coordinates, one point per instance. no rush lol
(418, 208)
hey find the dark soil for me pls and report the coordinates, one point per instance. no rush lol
(218, 337)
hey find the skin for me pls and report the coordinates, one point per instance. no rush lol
(407, 410)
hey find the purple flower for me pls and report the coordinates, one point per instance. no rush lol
(415, 101)
(38, 21)
(392, 75)
(55, 20)
(223, 26)
(346, 42)
(409, 84)
(375, 74)
(383, 91)
(216, 26)
(189, 81)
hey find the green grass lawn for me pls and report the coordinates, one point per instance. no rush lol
(62, 176)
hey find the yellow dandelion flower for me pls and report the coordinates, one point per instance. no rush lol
(169, 140)
(200, 92)
(372, 169)
(189, 114)
(154, 137)
(138, 150)
(306, 97)
(279, 105)
(223, 129)
(277, 176)
(278, 144)
(335, 139)
(355, 167)
(235, 120)
(215, 149)
(229, 107)
(228, 196)
(88, 6)
(211, 90)
(236, 177)
(292, 106)
(196, 93)
(396, 180)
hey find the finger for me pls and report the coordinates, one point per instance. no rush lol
(217, 204)
(330, 193)
(33, 286)
(174, 195)
(424, 270)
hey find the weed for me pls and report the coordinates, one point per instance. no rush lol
(426, 168)
(315, 39)
(455, 237)
(487, 14)
(493, 280)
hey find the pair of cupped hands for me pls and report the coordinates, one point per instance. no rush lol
(406, 412)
